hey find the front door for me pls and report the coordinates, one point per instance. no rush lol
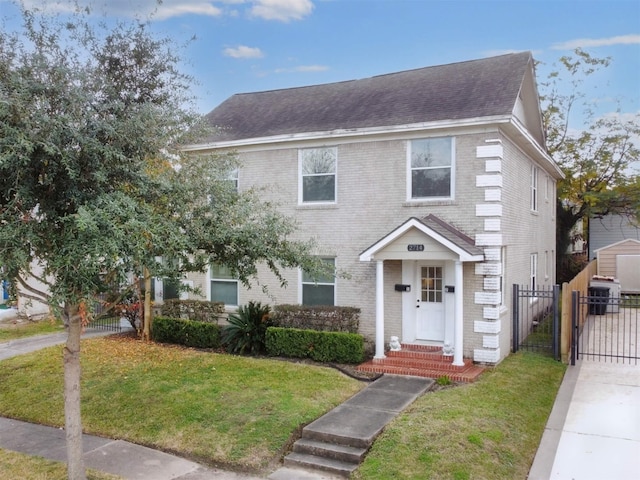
(430, 303)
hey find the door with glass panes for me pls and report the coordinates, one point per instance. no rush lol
(430, 313)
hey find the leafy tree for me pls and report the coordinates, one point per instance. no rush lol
(94, 184)
(596, 160)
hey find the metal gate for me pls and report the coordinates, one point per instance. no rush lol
(536, 322)
(605, 328)
(102, 320)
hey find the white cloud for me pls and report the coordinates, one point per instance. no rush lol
(132, 8)
(242, 51)
(597, 42)
(282, 10)
(174, 9)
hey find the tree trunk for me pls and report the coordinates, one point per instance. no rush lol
(146, 334)
(72, 417)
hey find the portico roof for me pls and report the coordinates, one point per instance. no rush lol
(435, 228)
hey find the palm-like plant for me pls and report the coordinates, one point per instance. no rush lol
(247, 329)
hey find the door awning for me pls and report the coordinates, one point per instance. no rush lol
(440, 238)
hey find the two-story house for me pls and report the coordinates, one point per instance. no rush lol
(430, 188)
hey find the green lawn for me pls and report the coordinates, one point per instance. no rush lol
(15, 465)
(240, 413)
(13, 331)
(490, 429)
(224, 410)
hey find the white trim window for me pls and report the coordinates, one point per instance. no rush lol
(233, 179)
(534, 188)
(533, 276)
(322, 290)
(318, 175)
(223, 286)
(431, 169)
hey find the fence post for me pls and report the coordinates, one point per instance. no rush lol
(574, 326)
(516, 318)
(556, 323)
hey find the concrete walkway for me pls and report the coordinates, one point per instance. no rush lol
(593, 432)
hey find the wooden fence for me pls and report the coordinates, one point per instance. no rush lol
(579, 283)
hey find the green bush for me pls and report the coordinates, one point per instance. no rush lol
(246, 330)
(338, 347)
(199, 310)
(321, 318)
(186, 332)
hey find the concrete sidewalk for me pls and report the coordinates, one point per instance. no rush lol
(593, 432)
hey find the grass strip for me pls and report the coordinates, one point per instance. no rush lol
(490, 429)
(15, 465)
(13, 331)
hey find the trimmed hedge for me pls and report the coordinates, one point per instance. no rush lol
(320, 318)
(186, 332)
(199, 310)
(338, 347)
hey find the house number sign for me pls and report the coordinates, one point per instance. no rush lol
(415, 247)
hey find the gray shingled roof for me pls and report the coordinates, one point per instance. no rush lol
(476, 88)
(452, 234)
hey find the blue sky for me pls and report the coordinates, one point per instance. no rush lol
(246, 46)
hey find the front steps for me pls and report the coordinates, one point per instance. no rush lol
(337, 442)
(423, 361)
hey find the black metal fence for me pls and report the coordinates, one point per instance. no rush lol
(536, 320)
(605, 327)
(102, 319)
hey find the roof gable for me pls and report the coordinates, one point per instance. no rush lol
(442, 232)
(626, 241)
(474, 89)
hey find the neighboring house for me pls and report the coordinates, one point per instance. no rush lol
(430, 188)
(615, 241)
(610, 229)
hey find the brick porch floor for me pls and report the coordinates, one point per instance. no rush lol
(423, 361)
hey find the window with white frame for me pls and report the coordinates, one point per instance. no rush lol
(233, 179)
(534, 271)
(431, 172)
(224, 286)
(318, 174)
(321, 290)
(534, 188)
(546, 265)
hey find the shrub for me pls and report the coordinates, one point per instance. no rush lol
(186, 332)
(320, 318)
(247, 328)
(130, 308)
(339, 347)
(199, 310)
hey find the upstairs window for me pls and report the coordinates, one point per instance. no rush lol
(224, 287)
(321, 291)
(431, 168)
(318, 167)
(534, 188)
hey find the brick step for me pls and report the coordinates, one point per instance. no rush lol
(336, 467)
(428, 364)
(425, 356)
(467, 375)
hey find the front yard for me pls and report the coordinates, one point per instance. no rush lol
(242, 413)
